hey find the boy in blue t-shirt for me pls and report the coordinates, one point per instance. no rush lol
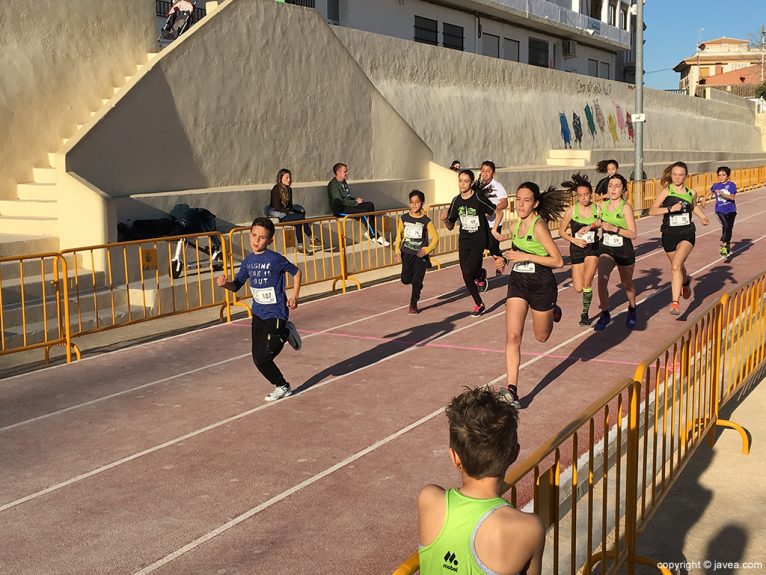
(725, 207)
(264, 271)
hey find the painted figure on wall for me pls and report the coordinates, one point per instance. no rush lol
(591, 123)
(565, 133)
(620, 118)
(599, 116)
(577, 127)
(612, 123)
(629, 124)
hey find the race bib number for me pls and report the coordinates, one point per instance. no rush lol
(680, 220)
(264, 296)
(589, 237)
(469, 223)
(612, 240)
(413, 231)
(524, 267)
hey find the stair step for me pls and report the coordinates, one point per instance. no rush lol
(52, 159)
(104, 101)
(570, 154)
(22, 208)
(151, 56)
(36, 192)
(19, 244)
(116, 89)
(37, 225)
(572, 163)
(44, 175)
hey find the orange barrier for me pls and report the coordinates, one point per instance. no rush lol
(34, 304)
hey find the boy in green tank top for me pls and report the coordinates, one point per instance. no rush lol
(472, 530)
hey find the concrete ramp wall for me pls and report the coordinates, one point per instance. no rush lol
(471, 107)
(57, 60)
(255, 87)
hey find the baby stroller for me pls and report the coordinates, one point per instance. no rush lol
(177, 23)
(190, 220)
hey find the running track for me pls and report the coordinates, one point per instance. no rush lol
(164, 458)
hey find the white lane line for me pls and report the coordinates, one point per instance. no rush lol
(266, 504)
(236, 417)
(277, 498)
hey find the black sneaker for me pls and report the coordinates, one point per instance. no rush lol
(603, 321)
(584, 319)
(630, 321)
(510, 395)
(478, 310)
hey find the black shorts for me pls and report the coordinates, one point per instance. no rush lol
(538, 289)
(623, 255)
(578, 254)
(671, 239)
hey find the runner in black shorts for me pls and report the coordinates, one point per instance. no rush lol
(583, 219)
(618, 228)
(676, 203)
(531, 283)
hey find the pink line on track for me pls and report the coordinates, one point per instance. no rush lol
(460, 347)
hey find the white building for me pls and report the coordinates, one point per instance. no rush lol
(590, 37)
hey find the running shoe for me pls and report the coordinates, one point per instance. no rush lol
(413, 310)
(686, 290)
(509, 394)
(674, 309)
(293, 337)
(724, 251)
(557, 313)
(383, 241)
(630, 321)
(279, 392)
(316, 243)
(584, 319)
(478, 310)
(603, 321)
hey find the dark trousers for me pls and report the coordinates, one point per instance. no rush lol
(360, 209)
(727, 226)
(269, 336)
(413, 272)
(471, 256)
(493, 245)
(299, 230)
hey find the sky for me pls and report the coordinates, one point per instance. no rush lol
(672, 27)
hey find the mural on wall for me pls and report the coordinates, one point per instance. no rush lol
(565, 134)
(617, 124)
(577, 127)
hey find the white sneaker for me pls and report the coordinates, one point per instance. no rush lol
(366, 235)
(293, 337)
(383, 241)
(279, 392)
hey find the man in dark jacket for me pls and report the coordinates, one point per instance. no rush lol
(343, 203)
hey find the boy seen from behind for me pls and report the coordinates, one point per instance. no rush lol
(264, 271)
(472, 530)
(416, 238)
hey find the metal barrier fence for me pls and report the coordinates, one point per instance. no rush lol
(600, 480)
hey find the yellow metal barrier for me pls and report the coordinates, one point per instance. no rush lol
(125, 283)
(34, 304)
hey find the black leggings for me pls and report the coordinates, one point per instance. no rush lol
(471, 256)
(727, 226)
(413, 272)
(269, 337)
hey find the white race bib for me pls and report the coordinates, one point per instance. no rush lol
(413, 231)
(612, 240)
(264, 296)
(524, 267)
(680, 220)
(469, 223)
(589, 237)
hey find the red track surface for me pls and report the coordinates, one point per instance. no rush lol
(165, 457)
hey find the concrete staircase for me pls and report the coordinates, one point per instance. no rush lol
(30, 223)
(569, 158)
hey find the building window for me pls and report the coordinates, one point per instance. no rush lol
(611, 14)
(624, 17)
(490, 45)
(538, 52)
(452, 36)
(595, 9)
(333, 11)
(593, 68)
(603, 70)
(511, 49)
(426, 31)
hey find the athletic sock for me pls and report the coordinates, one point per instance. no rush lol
(587, 297)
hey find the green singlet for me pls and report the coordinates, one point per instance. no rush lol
(582, 219)
(453, 550)
(528, 243)
(687, 195)
(614, 218)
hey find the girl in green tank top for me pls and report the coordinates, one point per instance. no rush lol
(582, 220)
(618, 228)
(531, 283)
(676, 203)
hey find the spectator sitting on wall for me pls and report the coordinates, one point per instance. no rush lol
(282, 208)
(343, 203)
